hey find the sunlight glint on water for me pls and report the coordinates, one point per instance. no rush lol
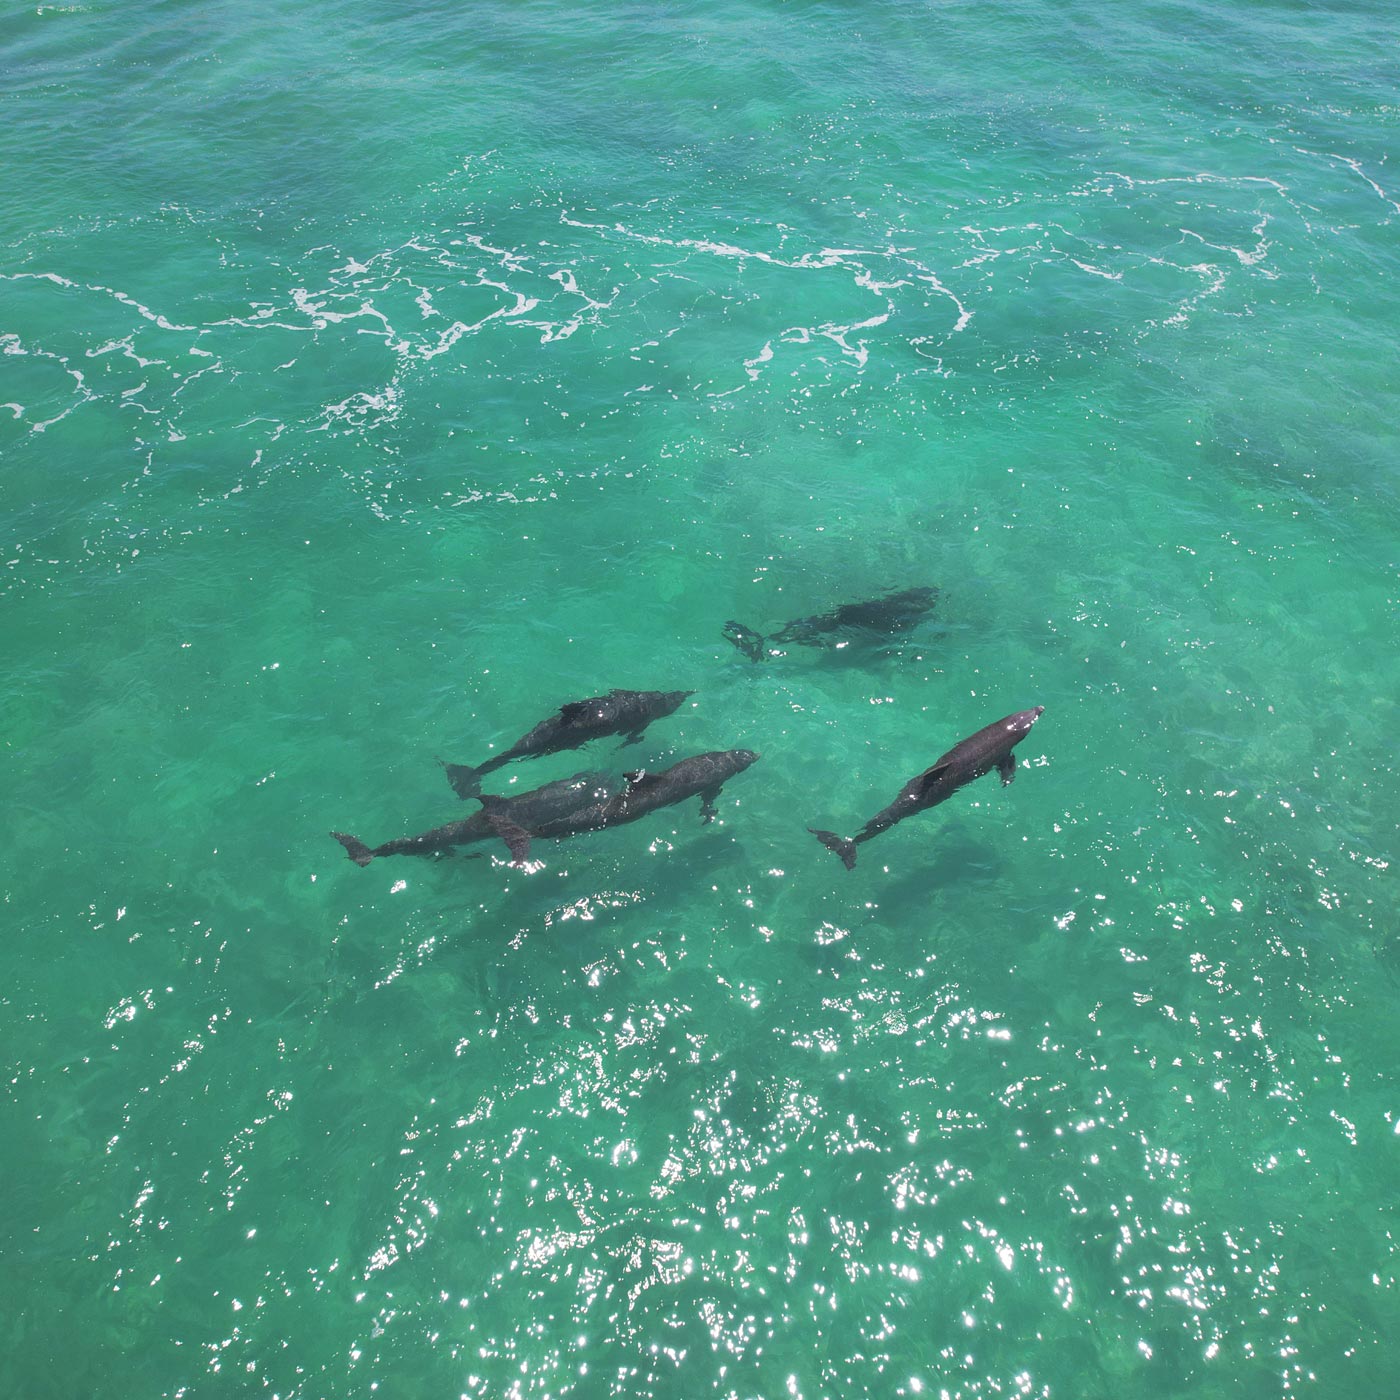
(377, 379)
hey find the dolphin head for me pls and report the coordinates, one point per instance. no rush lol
(671, 700)
(919, 597)
(739, 759)
(1021, 722)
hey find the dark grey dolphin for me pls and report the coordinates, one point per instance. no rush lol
(618, 712)
(699, 776)
(895, 612)
(547, 803)
(968, 759)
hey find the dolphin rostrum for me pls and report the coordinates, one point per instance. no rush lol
(618, 712)
(895, 612)
(547, 803)
(702, 775)
(970, 758)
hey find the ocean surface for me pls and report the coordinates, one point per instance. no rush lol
(377, 377)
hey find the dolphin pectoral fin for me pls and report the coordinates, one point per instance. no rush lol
(708, 810)
(843, 847)
(1007, 769)
(633, 738)
(514, 835)
(354, 848)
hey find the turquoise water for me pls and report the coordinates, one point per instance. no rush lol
(377, 378)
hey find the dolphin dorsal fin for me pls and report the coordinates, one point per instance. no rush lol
(927, 780)
(639, 781)
(575, 709)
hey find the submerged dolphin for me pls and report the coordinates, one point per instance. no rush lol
(895, 612)
(547, 803)
(969, 759)
(618, 712)
(700, 776)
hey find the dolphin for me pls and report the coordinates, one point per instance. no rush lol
(702, 775)
(895, 612)
(547, 803)
(968, 759)
(618, 712)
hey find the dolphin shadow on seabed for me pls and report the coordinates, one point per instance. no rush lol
(961, 864)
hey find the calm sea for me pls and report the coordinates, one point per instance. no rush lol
(377, 377)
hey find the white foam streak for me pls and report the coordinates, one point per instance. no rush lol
(10, 344)
(762, 358)
(1246, 257)
(825, 258)
(320, 317)
(123, 347)
(1355, 167)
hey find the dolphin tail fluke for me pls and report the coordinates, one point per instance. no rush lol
(843, 846)
(465, 780)
(354, 848)
(746, 639)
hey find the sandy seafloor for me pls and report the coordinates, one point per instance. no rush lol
(377, 377)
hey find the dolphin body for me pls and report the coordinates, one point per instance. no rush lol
(544, 804)
(618, 712)
(895, 612)
(967, 760)
(702, 775)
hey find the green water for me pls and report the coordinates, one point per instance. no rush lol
(378, 377)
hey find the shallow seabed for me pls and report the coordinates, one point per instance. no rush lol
(377, 377)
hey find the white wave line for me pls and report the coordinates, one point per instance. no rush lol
(1208, 178)
(1201, 177)
(1355, 167)
(321, 318)
(829, 330)
(1217, 279)
(1096, 271)
(10, 344)
(827, 257)
(127, 300)
(512, 262)
(127, 349)
(362, 410)
(1247, 259)
(565, 278)
(260, 319)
